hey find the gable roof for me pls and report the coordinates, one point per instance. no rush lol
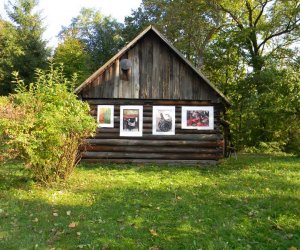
(131, 44)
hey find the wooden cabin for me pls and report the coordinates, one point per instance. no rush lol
(159, 108)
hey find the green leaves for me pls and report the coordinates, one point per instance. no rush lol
(93, 34)
(71, 53)
(48, 133)
(22, 47)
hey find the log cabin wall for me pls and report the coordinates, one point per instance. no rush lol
(186, 146)
(159, 76)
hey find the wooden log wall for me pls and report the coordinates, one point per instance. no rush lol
(185, 147)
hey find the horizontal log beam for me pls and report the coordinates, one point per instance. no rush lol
(161, 162)
(160, 156)
(189, 137)
(148, 102)
(116, 131)
(135, 142)
(153, 149)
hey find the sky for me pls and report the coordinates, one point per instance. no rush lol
(58, 13)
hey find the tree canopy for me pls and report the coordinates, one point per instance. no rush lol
(99, 34)
(26, 50)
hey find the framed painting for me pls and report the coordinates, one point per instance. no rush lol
(199, 117)
(105, 116)
(131, 120)
(163, 120)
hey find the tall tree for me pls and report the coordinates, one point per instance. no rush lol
(264, 33)
(28, 25)
(263, 27)
(9, 49)
(101, 35)
(70, 52)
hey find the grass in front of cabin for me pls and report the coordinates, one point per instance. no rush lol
(249, 203)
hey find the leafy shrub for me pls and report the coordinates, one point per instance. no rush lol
(293, 145)
(267, 148)
(45, 126)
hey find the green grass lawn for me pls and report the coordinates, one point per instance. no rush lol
(249, 203)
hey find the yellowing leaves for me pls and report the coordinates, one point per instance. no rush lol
(153, 232)
(73, 225)
(292, 248)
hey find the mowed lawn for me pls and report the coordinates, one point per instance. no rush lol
(249, 203)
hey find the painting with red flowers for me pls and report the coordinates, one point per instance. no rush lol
(198, 117)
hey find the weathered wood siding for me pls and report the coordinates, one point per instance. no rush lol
(157, 72)
(186, 146)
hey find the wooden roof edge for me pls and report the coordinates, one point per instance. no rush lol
(108, 63)
(191, 65)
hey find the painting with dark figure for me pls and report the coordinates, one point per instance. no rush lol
(163, 120)
(198, 117)
(131, 121)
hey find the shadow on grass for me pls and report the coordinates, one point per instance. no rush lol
(209, 211)
(244, 161)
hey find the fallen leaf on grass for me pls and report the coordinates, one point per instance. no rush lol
(178, 198)
(153, 248)
(72, 225)
(153, 232)
(292, 248)
(55, 214)
(68, 213)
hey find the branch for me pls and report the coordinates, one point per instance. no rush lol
(261, 12)
(234, 17)
(250, 17)
(288, 29)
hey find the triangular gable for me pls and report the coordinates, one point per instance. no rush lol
(131, 44)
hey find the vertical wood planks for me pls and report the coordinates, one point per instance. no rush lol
(157, 72)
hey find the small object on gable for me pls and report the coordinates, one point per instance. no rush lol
(125, 64)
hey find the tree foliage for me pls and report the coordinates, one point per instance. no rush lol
(26, 49)
(100, 35)
(71, 53)
(9, 49)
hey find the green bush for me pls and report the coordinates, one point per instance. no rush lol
(45, 126)
(293, 145)
(266, 148)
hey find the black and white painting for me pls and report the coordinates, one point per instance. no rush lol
(131, 120)
(163, 120)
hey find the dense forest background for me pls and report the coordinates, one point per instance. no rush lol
(248, 48)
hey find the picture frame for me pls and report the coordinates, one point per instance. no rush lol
(197, 117)
(131, 120)
(105, 116)
(163, 120)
